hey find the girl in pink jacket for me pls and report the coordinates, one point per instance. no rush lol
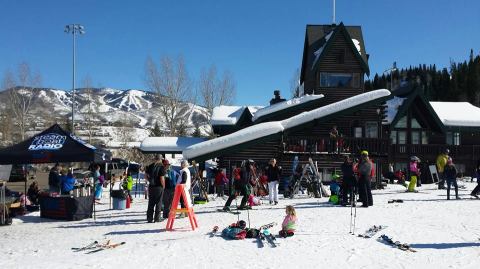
(289, 223)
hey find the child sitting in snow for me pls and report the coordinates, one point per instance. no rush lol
(289, 223)
(334, 190)
(252, 200)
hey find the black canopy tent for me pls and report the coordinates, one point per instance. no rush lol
(51, 146)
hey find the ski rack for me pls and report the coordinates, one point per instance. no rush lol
(198, 180)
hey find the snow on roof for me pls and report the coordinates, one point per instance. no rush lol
(457, 113)
(169, 144)
(247, 134)
(268, 128)
(319, 51)
(357, 45)
(334, 107)
(226, 115)
(392, 108)
(229, 115)
(117, 144)
(285, 104)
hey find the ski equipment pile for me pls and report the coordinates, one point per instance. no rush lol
(89, 246)
(96, 247)
(270, 238)
(372, 231)
(397, 244)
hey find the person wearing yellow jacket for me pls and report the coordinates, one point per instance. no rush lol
(441, 162)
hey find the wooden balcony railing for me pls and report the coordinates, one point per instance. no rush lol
(317, 144)
(432, 150)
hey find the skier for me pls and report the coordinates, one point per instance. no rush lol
(349, 182)
(289, 222)
(414, 173)
(273, 173)
(451, 176)
(240, 186)
(364, 185)
(476, 190)
(441, 162)
(155, 174)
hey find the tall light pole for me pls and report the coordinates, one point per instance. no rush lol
(74, 29)
(391, 70)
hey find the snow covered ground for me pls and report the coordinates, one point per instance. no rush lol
(445, 234)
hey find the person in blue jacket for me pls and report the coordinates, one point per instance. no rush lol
(68, 183)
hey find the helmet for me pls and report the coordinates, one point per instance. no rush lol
(414, 158)
(364, 152)
(241, 224)
(447, 151)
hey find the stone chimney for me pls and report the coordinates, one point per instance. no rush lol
(276, 98)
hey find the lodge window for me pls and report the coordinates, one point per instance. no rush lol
(424, 138)
(340, 80)
(357, 132)
(371, 129)
(453, 138)
(402, 137)
(393, 137)
(415, 137)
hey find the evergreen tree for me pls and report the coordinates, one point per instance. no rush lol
(156, 131)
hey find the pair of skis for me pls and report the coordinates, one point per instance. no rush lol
(264, 235)
(397, 244)
(96, 247)
(372, 231)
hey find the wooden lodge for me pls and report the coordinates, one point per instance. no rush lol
(391, 126)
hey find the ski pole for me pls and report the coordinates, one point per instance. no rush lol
(238, 212)
(351, 211)
(355, 215)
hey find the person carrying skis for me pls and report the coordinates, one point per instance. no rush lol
(414, 173)
(289, 222)
(441, 162)
(273, 174)
(240, 186)
(349, 182)
(155, 174)
(451, 176)
(364, 184)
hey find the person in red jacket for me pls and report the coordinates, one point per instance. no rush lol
(220, 182)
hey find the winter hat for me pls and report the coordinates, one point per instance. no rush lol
(165, 162)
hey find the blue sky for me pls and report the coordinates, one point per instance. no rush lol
(260, 42)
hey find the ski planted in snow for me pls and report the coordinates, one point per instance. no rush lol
(372, 231)
(397, 244)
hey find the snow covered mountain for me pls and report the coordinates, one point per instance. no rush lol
(108, 107)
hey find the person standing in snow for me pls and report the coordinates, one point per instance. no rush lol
(220, 182)
(54, 180)
(273, 174)
(450, 172)
(289, 222)
(155, 174)
(441, 162)
(186, 179)
(349, 182)
(171, 178)
(476, 190)
(414, 173)
(241, 181)
(364, 184)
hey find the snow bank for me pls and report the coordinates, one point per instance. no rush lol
(239, 137)
(169, 144)
(457, 113)
(444, 233)
(285, 104)
(334, 107)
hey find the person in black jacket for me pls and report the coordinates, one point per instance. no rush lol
(241, 186)
(54, 179)
(450, 173)
(155, 174)
(476, 190)
(273, 173)
(349, 182)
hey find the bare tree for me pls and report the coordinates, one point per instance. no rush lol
(90, 115)
(22, 89)
(214, 90)
(295, 84)
(172, 86)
